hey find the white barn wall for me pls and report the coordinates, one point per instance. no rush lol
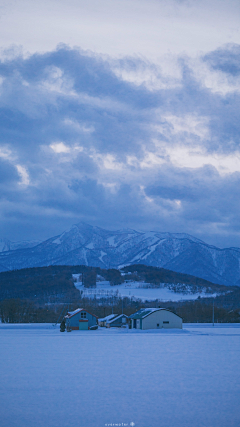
(151, 321)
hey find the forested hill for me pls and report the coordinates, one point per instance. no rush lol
(55, 283)
(157, 275)
(43, 294)
(41, 284)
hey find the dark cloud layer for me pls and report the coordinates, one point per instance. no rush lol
(85, 138)
(225, 59)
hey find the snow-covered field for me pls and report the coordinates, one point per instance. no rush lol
(136, 290)
(175, 378)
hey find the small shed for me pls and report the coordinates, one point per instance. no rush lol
(155, 318)
(80, 319)
(117, 321)
(104, 320)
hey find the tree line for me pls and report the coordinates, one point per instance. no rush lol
(25, 311)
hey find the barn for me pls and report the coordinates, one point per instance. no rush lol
(155, 318)
(104, 320)
(80, 319)
(117, 321)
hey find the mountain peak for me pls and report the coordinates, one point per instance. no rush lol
(84, 244)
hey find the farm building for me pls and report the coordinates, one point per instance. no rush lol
(103, 320)
(117, 321)
(155, 318)
(80, 319)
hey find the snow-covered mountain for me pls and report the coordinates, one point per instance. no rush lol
(83, 244)
(6, 245)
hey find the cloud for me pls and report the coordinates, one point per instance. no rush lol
(119, 142)
(225, 59)
(23, 175)
(59, 147)
(121, 27)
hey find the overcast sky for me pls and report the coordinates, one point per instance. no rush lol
(120, 113)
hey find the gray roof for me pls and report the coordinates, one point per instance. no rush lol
(73, 313)
(117, 317)
(109, 317)
(144, 312)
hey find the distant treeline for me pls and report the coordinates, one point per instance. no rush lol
(23, 311)
(197, 311)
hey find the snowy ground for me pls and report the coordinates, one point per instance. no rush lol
(135, 290)
(178, 378)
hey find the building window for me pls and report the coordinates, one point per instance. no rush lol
(83, 315)
(166, 321)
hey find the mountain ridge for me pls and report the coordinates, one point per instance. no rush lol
(88, 245)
